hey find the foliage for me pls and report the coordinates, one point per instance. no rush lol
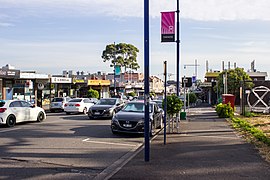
(224, 110)
(234, 77)
(192, 98)
(174, 105)
(92, 93)
(244, 125)
(132, 94)
(250, 114)
(122, 54)
(152, 94)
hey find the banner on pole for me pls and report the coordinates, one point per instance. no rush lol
(168, 26)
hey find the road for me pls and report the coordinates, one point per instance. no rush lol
(63, 147)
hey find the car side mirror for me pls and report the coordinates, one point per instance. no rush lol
(33, 105)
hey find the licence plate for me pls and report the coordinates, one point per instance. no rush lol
(97, 113)
(127, 125)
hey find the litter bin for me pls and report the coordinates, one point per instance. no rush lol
(226, 98)
(183, 115)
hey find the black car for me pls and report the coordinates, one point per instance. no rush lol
(105, 108)
(130, 118)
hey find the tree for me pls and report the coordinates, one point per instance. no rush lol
(174, 105)
(92, 93)
(192, 97)
(234, 77)
(122, 54)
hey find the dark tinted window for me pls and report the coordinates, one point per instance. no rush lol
(25, 104)
(75, 100)
(15, 104)
(2, 103)
(107, 101)
(57, 100)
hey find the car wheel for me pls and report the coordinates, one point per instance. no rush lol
(85, 111)
(40, 117)
(11, 121)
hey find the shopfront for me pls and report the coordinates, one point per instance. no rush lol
(7, 81)
(102, 86)
(61, 87)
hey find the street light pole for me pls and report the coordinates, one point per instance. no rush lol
(114, 78)
(178, 50)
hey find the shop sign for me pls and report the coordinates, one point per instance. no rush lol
(61, 80)
(9, 73)
(78, 81)
(98, 82)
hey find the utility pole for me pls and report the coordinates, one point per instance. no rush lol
(114, 79)
(195, 65)
(178, 50)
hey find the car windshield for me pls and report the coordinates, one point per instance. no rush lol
(75, 100)
(136, 107)
(107, 102)
(57, 100)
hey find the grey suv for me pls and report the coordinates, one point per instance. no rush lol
(58, 103)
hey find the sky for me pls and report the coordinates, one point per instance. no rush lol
(56, 35)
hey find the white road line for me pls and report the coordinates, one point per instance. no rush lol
(110, 143)
(218, 137)
(13, 129)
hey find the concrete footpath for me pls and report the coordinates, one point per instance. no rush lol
(206, 148)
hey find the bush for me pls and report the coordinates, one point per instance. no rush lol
(224, 110)
(92, 93)
(174, 105)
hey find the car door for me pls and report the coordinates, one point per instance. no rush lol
(17, 110)
(30, 112)
(88, 103)
(157, 116)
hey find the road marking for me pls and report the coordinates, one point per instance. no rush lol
(13, 129)
(110, 143)
(218, 137)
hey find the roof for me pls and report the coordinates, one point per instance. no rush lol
(212, 74)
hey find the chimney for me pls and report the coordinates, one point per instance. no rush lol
(207, 66)
(229, 65)
(223, 68)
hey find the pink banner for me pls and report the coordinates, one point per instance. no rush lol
(167, 26)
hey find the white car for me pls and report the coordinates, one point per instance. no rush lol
(15, 111)
(78, 105)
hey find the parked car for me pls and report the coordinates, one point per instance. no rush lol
(159, 102)
(58, 103)
(94, 100)
(15, 111)
(130, 119)
(78, 105)
(105, 108)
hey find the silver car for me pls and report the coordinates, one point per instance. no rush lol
(58, 103)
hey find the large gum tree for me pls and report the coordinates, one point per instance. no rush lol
(122, 54)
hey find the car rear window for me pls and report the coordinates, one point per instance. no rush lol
(57, 99)
(75, 100)
(2, 103)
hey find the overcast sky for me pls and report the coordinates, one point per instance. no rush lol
(55, 35)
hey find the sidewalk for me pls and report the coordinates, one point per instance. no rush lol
(206, 148)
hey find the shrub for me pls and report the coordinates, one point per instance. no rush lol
(92, 93)
(174, 105)
(224, 110)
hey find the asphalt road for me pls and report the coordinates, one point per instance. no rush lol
(63, 147)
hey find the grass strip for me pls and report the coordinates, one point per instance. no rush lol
(244, 125)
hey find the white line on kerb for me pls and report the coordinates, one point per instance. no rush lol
(13, 129)
(110, 143)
